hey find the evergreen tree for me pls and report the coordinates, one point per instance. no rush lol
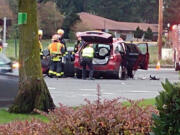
(148, 34)
(138, 33)
(172, 10)
(69, 21)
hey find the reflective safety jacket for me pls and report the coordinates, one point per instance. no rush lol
(56, 50)
(88, 52)
(41, 48)
(0, 49)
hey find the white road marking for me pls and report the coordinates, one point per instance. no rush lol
(87, 89)
(107, 93)
(51, 88)
(88, 95)
(141, 91)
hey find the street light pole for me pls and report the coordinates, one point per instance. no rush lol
(160, 29)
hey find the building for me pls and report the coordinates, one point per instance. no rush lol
(93, 22)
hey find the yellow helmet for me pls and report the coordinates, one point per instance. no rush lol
(40, 32)
(60, 31)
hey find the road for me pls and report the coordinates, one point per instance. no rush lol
(72, 92)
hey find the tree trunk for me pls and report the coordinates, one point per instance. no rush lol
(33, 92)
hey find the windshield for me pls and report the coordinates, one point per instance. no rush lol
(4, 59)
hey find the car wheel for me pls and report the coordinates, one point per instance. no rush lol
(121, 74)
(176, 66)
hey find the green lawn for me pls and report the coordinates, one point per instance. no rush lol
(6, 117)
(13, 47)
(145, 102)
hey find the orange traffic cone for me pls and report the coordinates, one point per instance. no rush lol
(158, 65)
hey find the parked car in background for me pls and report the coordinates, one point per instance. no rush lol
(8, 81)
(6, 64)
(68, 63)
(113, 57)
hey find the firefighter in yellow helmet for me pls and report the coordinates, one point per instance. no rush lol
(1, 45)
(60, 32)
(40, 34)
(56, 54)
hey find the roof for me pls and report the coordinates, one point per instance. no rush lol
(97, 22)
(5, 10)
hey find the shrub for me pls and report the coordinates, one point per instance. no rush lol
(167, 122)
(109, 117)
(33, 127)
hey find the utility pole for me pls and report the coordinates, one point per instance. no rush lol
(160, 29)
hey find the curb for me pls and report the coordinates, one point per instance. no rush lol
(162, 66)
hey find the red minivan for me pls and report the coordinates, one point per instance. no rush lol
(113, 57)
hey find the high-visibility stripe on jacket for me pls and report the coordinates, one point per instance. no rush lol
(55, 48)
(41, 48)
(88, 52)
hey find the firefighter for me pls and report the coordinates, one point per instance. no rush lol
(40, 34)
(56, 50)
(1, 45)
(79, 42)
(87, 57)
(60, 32)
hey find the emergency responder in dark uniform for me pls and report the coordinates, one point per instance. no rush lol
(40, 34)
(87, 57)
(78, 44)
(60, 32)
(56, 50)
(1, 45)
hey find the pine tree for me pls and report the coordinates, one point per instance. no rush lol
(138, 33)
(149, 34)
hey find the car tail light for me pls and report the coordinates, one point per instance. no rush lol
(113, 58)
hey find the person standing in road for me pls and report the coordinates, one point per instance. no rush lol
(79, 42)
(56, 50)
(60, 32)
(40, 34)
(87, 57)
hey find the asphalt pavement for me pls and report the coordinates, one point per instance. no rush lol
(73, 92)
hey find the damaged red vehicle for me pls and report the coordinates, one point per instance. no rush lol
(113, 57)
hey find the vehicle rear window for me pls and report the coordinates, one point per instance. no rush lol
(132, 48)
(102, 46)
(4, 59)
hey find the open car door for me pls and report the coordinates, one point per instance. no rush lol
(137, 55)
(143, 60)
